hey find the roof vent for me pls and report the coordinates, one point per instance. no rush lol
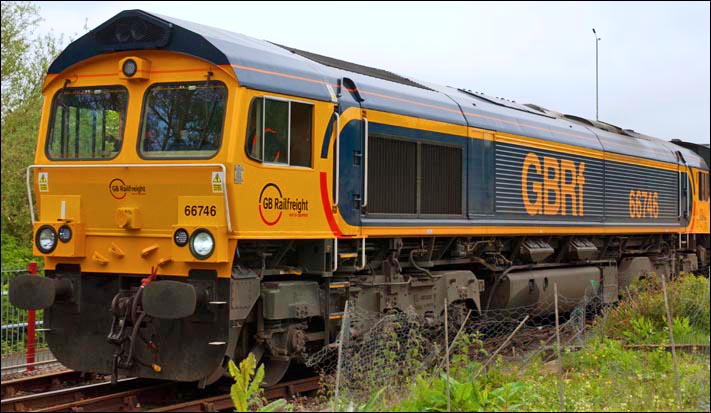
(354, 67)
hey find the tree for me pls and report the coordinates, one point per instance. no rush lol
(25, 59)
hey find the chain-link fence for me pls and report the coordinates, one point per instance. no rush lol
(24, 347)
(391, 351)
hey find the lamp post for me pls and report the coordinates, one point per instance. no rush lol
(597, 98)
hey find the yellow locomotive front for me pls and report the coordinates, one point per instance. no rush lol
(129, 182)
(131, 166)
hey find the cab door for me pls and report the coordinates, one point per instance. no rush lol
(685, 197)
(349, 159)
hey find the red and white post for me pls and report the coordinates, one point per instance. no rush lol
(32, 270)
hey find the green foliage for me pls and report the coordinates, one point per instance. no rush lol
(643, 331)
(642, 319)
(25, 58)
(603, 375)
(464, 396)
(16, 255)
(246, 392)
(376, 403)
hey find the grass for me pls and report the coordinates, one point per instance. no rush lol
(606, 374)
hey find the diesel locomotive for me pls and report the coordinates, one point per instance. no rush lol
(198, 195)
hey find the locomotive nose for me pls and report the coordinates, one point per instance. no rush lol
(34, 292)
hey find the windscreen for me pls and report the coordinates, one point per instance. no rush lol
(183, 120)
(87, 123)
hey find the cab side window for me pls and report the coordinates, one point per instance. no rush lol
(280, 132)
(703, 186)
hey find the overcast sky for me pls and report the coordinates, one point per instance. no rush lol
(654, 57)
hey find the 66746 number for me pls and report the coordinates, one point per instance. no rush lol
(644, 204)
(200, 210)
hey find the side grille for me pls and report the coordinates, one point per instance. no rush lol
(441, 191)
(411, 178)
(392, 170)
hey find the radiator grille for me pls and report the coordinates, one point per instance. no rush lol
(441, 191)
(392, 176)
(395, 168)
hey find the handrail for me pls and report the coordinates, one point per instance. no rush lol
(365, 166)
(363, 257)
(335, 254)
(337, 155)
(132, 165)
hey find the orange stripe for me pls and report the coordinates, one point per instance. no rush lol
(305, 79)
(503, 230)
(178, 70)
(142, 70)
(97, 75)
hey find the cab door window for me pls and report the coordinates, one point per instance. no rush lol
(280, 132)
(703, 180)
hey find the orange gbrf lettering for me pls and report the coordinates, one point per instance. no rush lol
(553, 187)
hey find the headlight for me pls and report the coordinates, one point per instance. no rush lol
(65, 233)
(46, 239)
(129, 67)
(202, 244)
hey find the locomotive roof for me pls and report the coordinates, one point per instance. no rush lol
(262, 65)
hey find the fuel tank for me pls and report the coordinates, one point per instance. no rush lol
(535, 288)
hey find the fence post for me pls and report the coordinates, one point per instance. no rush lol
(560, 361)
(32, 270)
(671, 339)
(446, 349)
(345, 328)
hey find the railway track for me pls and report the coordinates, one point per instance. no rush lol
(224, 402)
(132, 394)
(40, 383)
(68, 396)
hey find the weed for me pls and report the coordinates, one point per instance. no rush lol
(245, 392)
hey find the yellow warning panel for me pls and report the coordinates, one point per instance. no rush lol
(43, 181)
(218, 182)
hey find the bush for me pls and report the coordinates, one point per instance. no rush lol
(642, 319)
(603, 375)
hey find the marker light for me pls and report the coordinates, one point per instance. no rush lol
(202, 244)
(129, 68)
(65, 233)
(46, 239)
(180, 237)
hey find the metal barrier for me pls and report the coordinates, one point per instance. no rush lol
(24, 346)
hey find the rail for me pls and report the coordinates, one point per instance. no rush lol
(224, 401)
(132, 394)
(40, 383)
